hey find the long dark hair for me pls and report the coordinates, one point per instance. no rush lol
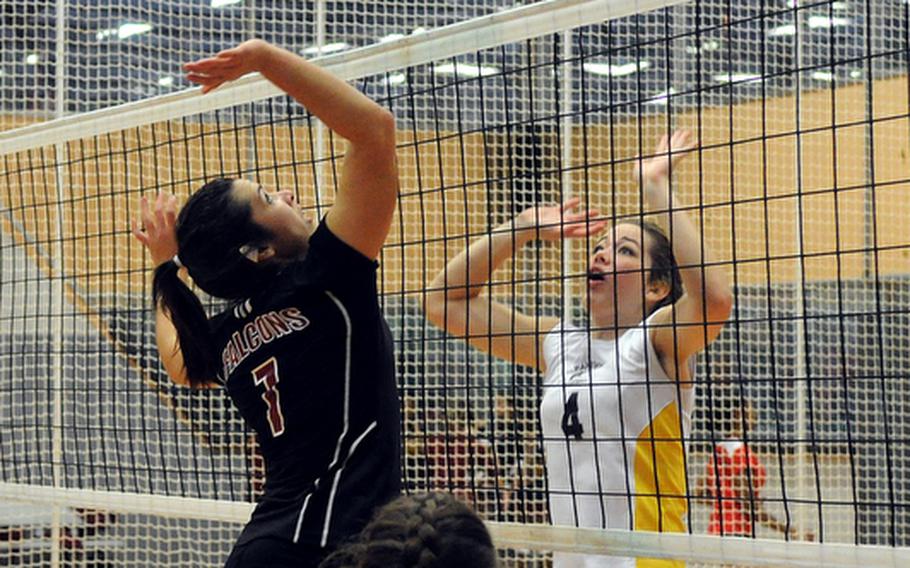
(663, 264)
(431, 530)
(211, 228)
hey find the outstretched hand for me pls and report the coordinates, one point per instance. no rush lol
(157, 230)
(555, 222)
(669, 151)
(226, 65)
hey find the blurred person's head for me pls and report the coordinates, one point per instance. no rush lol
(432, 530)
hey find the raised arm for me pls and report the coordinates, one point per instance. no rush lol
(156, 231)
(703, 309)
(457, 303)
(365, 201)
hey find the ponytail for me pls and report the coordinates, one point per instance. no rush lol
(185, 311)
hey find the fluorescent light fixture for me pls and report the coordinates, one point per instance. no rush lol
(130, 29)
(736, 77)
(391, 37)
(707, 45)
(327, 48)
(166, 81)
(784, 30)
(661, 97)
(616, 70)
(465, 70)
(826, 22)
(220, 3)
(395, 79)
(814, 22)
(823, 76)
(32, 58)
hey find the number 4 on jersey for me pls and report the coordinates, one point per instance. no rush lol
(571, 425)
(267, 375)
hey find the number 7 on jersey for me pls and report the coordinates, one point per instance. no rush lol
(267, 375)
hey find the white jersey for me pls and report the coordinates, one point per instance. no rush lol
(613, 426)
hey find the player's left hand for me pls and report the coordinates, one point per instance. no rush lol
(157, 230)
(226, 65)
(669, 151)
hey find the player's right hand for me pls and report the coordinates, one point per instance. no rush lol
(157, 229)
(555, 222)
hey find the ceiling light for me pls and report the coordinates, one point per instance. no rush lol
(32, 58)
(736, 77)
(391, 37)
(220, 3)
(823, 76)
(327, 48)
(395, 79)
(707, 45)
(616, 70)
(166, 81)
(784, 30)
(661, 97)
(132, 28)
(465, 70)
(856, 73)
(826, 22)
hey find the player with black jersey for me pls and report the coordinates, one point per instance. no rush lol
(303, 351)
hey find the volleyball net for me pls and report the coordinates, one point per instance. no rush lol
(800, 187)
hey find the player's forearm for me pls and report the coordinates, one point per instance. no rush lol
(340, 106)
(169, 348)
(466, 274)
(701, 282)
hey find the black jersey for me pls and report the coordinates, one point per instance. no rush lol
(308, 362)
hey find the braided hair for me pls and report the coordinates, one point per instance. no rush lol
(432, 530)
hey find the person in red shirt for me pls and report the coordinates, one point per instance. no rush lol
(733, 481)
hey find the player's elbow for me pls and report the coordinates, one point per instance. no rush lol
(177, 374)
(434, 307)
(444, 312)
(718, 304)
(377, 133)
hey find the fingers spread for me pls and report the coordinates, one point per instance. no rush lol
(139, 233)
(570, 203)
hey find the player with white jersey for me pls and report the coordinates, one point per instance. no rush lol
(618, 391)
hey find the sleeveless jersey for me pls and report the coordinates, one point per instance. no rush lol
(613, 425)
(308, 363)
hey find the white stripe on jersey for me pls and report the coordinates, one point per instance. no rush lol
(347, 405)
(344, 431)
(241, 311)
(303, 510)
(328, 515)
